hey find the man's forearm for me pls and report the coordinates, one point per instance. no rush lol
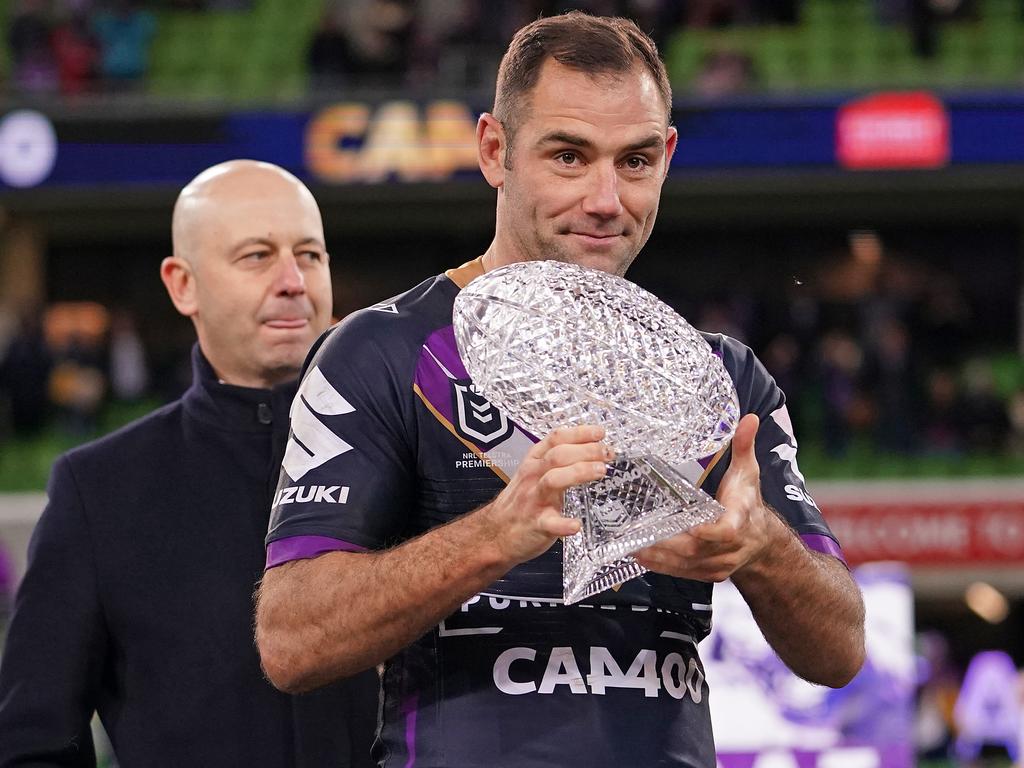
(809, 608)
(340, 613)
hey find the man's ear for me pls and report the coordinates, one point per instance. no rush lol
(671, 140)
(491, 148)
(180, 283)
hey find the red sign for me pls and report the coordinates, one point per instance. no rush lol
(893, 131)
(972, 525)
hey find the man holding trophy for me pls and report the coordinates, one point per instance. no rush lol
(420, 527)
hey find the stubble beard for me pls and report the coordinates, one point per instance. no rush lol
(557, 251)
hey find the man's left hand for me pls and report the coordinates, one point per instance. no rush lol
(714, 551)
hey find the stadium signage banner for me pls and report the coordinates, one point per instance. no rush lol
(352, 142)
(365, 142)
(893, 131)
(928, 523)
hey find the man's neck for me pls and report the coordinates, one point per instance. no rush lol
(489, 260)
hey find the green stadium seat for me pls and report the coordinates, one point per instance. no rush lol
(960, 64)
(820, 58)
(866, 53)
(777, 59)
(5, 55)
(254, 55)
(1008, 372)
(683, 57)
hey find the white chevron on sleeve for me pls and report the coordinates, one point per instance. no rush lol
(786, 451)
(321, 395)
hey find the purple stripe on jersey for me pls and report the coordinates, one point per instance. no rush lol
(824, 544)
(409, 708)
(304, 547)
(431, 378)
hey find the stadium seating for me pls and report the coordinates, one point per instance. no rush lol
(259, 55)
(255, 55)
(840, 45)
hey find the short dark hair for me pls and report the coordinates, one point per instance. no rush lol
(595, 45)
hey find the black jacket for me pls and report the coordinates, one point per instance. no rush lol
(137, 602)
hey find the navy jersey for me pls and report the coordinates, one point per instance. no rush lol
(389, 440)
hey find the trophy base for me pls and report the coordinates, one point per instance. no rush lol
(640, 501)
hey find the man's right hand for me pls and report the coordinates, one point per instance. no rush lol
(526, 518)
(317, 620)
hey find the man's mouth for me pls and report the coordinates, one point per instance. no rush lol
(597, 238)
(287, 323)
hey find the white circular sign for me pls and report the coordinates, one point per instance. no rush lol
(28, 148)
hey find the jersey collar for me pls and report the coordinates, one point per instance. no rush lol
(463, 275)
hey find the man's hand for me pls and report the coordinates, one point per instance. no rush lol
(806, 603)
(526, 517)
(343, 612)
(714, 551)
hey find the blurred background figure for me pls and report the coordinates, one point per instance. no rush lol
(725, 73)
(75, 50)
(125, 30)
(129, 376)
(942, 431)
(938, 687)
(78, 382)
(34, 68)
(986, 424)
(363, 41)
(841, 360)
(892, 375)
(24, 375)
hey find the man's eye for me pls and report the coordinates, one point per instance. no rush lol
(568, 158)
(637, 163)
(312, 255)
(256, 255)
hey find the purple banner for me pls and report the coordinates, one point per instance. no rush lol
(764, 716)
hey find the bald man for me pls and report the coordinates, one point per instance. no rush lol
(137, 601)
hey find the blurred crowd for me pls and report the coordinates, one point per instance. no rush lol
(76, 46)
(886, 352)
(62, 365)
(411, 43)
(403, 43)
(874, 350)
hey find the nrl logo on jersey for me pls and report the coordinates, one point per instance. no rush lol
(476, 419)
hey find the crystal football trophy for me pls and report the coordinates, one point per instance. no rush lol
(557, 344)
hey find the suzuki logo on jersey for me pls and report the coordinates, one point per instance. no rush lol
(311, 442)
(477, 420)
(326, 494)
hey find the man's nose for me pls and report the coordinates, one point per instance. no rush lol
(602, 197)
(289, 279)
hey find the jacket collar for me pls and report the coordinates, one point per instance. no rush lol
(233, 408)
